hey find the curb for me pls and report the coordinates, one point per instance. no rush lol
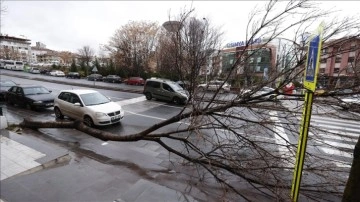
(60, 160)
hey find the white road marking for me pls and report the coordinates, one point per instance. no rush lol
(131, 101)
(154, 117)
(280, 137)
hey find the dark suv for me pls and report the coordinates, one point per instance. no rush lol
(73, 75)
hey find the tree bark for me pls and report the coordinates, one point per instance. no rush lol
(352, 189)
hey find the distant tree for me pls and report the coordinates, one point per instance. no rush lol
(54, 66)
(132, 46)
(86, 55)
(83, 68)
(66, 56)
(73, 67)
(98, 67)
(111, 68)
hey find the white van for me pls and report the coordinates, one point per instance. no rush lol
(9, 64)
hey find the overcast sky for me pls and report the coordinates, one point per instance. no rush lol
(70, 25)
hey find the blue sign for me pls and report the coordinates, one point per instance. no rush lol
(243, 43)
(312, 59)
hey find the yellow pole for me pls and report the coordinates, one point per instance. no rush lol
(301, 149)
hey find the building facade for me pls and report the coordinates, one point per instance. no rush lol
(257, 61)
(15, 48)
(340, 62)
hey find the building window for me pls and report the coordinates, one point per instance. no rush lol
(323, 60)
(351, 59)
(322, 70)
(353, 47)
(337, 59)
(336, 70)
(324, 50)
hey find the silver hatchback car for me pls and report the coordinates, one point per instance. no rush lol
(89, 106)
(214, 86)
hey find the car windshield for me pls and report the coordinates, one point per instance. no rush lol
(7, 84)
(35, 90)
(94, 99)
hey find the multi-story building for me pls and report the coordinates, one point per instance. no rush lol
(340, 62)
(42, 56)
(15, 48)
(257, 62)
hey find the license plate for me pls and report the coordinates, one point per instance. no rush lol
(115, 117)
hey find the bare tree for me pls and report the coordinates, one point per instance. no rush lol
(86, 55)
(239, 139)
(133, 45)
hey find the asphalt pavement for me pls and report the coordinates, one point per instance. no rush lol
(42, 166)
(39, 166)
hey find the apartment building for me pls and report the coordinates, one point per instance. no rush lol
(15, 48)
(340, 61)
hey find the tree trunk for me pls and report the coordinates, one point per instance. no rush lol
(352, 189)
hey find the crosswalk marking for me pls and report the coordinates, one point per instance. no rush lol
(339, 142)
(335, 137)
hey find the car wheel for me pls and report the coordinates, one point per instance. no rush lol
(88, 121)
(148, 96)
(58, 113)
(177, 100)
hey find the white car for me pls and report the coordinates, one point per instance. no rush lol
(214, 86)
(264, 91)
(89, 106)
(57, 73)
(34, 70)
(352, 101)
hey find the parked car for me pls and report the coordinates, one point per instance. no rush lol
(45, 71)
(30, 96)
(265, 93)
(95, 77)
(164, 89)
(135, 81)
(112, 79)
(34, 70)
(214, 86)
(352, 102)
(57, 73)
(73, 75)
(89, 106)
(5, 85)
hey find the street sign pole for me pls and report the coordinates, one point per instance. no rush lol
(310, 79)
(300, 156)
